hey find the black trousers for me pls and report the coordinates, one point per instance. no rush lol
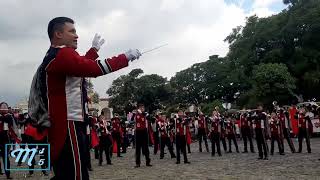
(96, 152)
(125, 143)
(71, 161)
(165, 141)
(44, 156)
(116, 136)
(156, 142)
(215, 141)
(202, 135)
(246, 135)
(286, 134)
(224, 144)
(105, 146)
(88, 148)
(181, 147)
(274, 138)
(233, 138)
(24, 139)
(304, 134)
(4, 140)
(261, 143)
(142, 144)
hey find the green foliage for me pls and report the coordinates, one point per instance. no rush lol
(95, 97)
(151, 90)
(207, 108)
(272, 82)
(273, 58)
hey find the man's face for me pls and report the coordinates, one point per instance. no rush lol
(4, 108)
(141, 108)
(69, 36)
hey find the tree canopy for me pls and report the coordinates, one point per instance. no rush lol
(273, 58)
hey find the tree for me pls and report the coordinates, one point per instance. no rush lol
(290, 37)
(272, 82)
(123, 90)
(151, 90)
(95, 98)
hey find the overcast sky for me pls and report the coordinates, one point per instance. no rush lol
(193, 29)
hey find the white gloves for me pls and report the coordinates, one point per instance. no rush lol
(96, 42)
(132, 54)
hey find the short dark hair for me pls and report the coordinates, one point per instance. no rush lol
(57, 24)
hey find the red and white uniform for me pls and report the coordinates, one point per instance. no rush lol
(141, 121)
(116, 125)
(230, 128)
(302, 122)
(202, 122)
(162, 128)
(62, 77)
(275, 127)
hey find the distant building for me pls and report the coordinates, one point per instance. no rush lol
(22, 105)
(102, 106)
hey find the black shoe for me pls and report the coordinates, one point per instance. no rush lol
(174, 156)
(137, 166)
(265, 158)
(229, 152)
(245, 152)
(178, 162)
(119, 156)
(161, 157)
(109, 163)
(253, 152)
(212, 155)
(187, 162)
(282, 153)
(148, 165)
(309, 151)
(260, 157)
(9, 177)
(299, 151)
(200, 150)
(189, 152)
(220, 155)
(238, 151)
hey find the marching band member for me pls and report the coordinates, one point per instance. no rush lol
(246, 125)
(180, 127)
(303, 124)
(275, 128)
(141, 135)
(201, 125)
(105, 139)
(260, 120)
(215, 132)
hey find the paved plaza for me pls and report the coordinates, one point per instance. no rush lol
(203, 166)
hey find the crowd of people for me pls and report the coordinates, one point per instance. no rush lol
(107, 134)
(58, 115)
